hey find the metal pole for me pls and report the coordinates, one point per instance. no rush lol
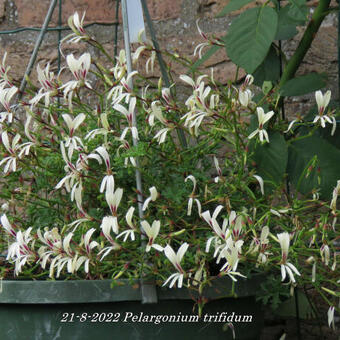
(148, 291)
(161, 62)
(116, 29)
(36, 47)
(60, 22)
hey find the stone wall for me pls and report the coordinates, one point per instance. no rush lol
(175, 24)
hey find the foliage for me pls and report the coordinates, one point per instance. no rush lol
(217, 205)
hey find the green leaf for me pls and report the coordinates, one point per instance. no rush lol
(298, 10)
(326, 171)
(286, 28)
(267, 86)
(270, 158)
(205, 57)
(250, 36)
(304, 84)
(233, 5)
(269, 70)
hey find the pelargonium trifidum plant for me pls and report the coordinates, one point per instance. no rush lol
(71, 207)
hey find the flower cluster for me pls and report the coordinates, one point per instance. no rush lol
(214, 200)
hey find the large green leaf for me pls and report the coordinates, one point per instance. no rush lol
(298, 10)
(326, 169)
(250, 36)
(271, 158)
(233, 5)
(286, 28)
(269, 70)
(304, 84)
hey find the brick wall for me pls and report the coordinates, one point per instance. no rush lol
(175, 23)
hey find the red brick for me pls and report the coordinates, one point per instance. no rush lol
(33, 12)
(164, 9)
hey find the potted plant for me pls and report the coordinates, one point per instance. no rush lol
(214, 212)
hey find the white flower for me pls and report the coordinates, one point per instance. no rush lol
(89, 245)
(79, 67)
(208, 41)
(6, 95)
(73, 124)
(113, 199)
(11, 161)
(284, 240)
(76, 24)
(218, 169)
(261, 246)
(4, 206)
(262, 119)
(244, 97)
(4, 70)
(330, 315)
(129, 117)
(291, 124)
(104, 154)
(222, 233)
(166, 95)
(260, 180)
(152, 232)
(286, 267)
(322, 100)
(191, 197)
(231, 254)
(108, 184)
(335, 194)
(160, 136)
(200, 47)
(311, 259)
(248, 80)
(325, 254)
(156, 112)
(208, 218)
(20, 251)
(199, 207)
(48, 83)
(193, 180)
(130, 232)
(175, 259)
(153, 196)
(109, 223)
(7, 226)
(238, 224)
(128, 217)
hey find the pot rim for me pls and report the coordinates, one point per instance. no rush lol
(92, 291)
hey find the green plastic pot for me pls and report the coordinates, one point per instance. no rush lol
(87, 310)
